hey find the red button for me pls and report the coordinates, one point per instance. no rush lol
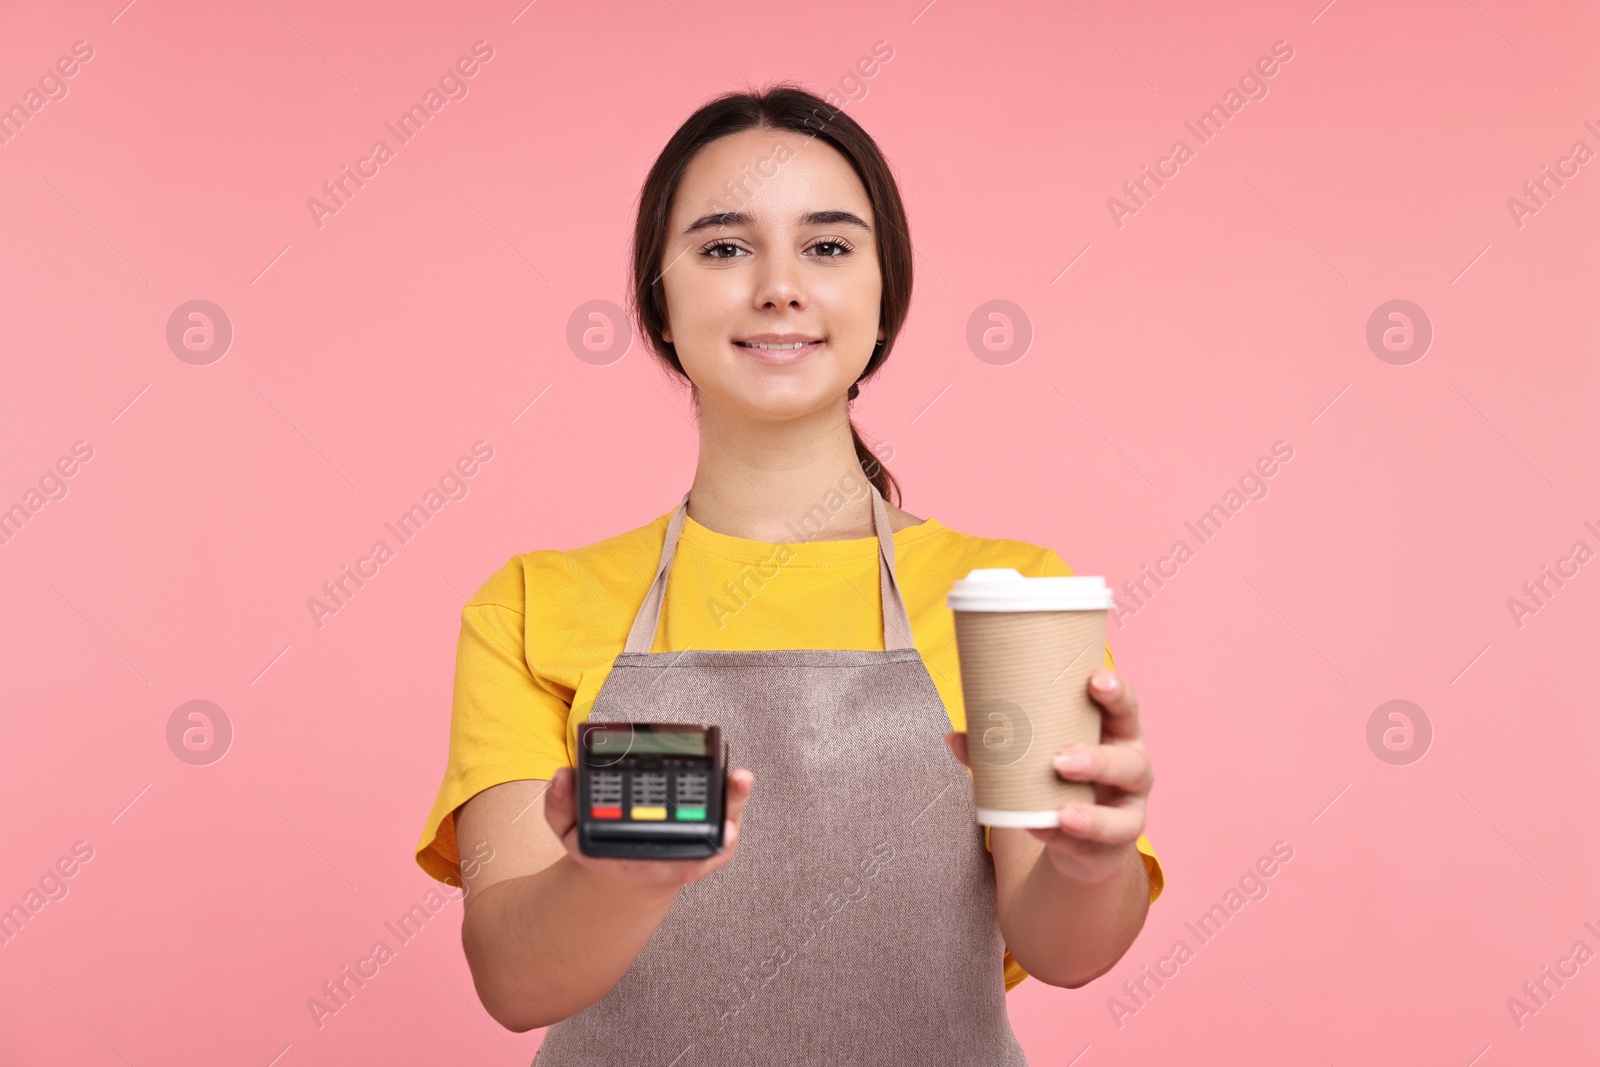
(605, 813)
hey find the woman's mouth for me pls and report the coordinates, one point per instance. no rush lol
(772, 352)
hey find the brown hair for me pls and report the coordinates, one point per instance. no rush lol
(780, 107)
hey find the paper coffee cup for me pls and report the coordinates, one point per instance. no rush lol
(1027, 647)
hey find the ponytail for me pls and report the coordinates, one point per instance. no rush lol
(874, 469)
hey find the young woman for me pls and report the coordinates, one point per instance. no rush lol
(857, 913)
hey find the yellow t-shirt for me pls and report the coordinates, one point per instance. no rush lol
(540, 636)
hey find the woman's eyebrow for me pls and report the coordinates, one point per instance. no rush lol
(742, 218)
(834, 218)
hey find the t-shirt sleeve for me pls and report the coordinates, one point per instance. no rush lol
(506, 721)
(1051, 564)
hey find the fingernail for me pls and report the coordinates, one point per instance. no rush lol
(1073, 816)
(1105, 682)
(1072, 759)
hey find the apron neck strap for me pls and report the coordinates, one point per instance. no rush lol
(896, 620)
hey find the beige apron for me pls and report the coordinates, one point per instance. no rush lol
(856, 922)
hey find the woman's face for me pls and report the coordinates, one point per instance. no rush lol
(795, 260)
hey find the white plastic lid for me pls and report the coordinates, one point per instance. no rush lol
(1004, 589)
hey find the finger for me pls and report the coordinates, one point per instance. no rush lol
(559, 810)
(1104, 823)
(1094, 860)
(957, 743)
(1113, 693)
(1127, 767)
(740, 784)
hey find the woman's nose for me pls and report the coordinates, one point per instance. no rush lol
(780, 283)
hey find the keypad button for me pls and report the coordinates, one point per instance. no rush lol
(650, 788)
(605, 789)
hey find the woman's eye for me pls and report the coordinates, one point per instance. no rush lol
(840, 245)
(710, 250)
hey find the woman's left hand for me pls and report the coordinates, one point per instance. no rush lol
(1094, 842)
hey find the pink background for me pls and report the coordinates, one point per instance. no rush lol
(1228, 313)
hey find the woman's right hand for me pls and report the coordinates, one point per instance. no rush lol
(561, 813)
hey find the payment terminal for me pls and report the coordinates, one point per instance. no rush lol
(651, 790)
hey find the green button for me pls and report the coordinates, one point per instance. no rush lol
(691, 814)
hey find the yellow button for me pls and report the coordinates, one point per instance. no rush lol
(648, 813)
